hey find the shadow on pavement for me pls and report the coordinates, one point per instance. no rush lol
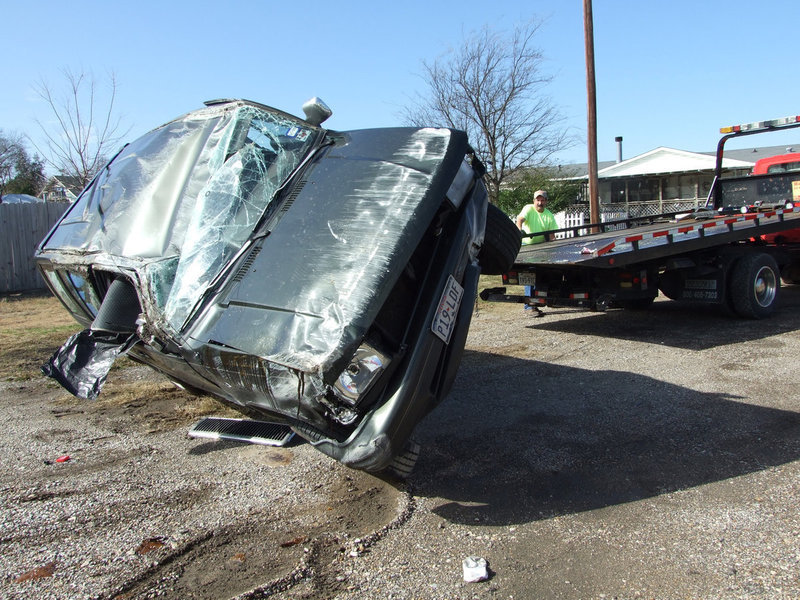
(545, 440)
(692, 327)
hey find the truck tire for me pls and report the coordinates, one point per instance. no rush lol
(501, 243)
(754, 286)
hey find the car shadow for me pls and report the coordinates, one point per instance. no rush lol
(690, 326)
(521, 440)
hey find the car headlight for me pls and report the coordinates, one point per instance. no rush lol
(364, 370)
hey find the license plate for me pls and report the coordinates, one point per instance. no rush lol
(445, 319)
(527, 278)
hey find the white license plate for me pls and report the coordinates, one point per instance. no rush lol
(526, 278)
(445, 319)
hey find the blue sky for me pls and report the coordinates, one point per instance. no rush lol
(668, 73)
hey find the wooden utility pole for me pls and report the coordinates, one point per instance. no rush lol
(591, 112)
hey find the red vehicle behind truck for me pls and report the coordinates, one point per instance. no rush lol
(783, 163)
(728, 253)
(777, 164)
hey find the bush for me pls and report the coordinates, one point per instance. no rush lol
(519, 190)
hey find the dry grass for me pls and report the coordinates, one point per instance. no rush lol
(155, 403)
(494, 281)
(31, 329)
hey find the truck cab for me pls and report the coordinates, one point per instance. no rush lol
(782, 163)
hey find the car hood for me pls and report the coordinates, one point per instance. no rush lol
(306, 293)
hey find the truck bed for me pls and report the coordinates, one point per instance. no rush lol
(661, 239)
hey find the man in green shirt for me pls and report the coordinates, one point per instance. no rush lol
(532, 219)
(535, 218)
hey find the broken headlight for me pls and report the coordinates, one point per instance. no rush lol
(357, 379)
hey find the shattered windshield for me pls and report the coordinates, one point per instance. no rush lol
(179, 202)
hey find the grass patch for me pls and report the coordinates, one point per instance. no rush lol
(156, 404)
(31, 329)
(494, 281)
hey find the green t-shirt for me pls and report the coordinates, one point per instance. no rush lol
(536, 221)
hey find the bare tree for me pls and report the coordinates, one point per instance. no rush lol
(492, 88)
(11, 151)
(84, 130)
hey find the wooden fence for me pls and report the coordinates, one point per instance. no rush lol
(22, 227)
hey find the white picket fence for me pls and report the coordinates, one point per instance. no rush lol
(576, 219)
(576, 216)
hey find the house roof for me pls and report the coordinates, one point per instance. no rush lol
(70, 183)
(753, 154)
(663, 160)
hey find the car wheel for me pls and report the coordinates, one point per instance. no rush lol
(403, 464)
(754, 286)
(501, 243)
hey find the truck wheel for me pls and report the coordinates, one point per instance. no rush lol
(754, 286)
(501, 243)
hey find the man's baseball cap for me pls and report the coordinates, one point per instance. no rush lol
(538, 193)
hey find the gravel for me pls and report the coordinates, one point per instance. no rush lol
(584, 455)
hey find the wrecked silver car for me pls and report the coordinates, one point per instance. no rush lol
(320, 279)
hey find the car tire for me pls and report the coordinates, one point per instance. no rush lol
(754, 286)
(403, 464)
(501, 243)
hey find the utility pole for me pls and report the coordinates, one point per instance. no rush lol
(591, 112)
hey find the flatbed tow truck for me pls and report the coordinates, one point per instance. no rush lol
(716, 254)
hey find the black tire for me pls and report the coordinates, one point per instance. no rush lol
(501, 243)
(754, 286)
(403, 464)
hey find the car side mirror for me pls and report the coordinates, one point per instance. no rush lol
(316, 111)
